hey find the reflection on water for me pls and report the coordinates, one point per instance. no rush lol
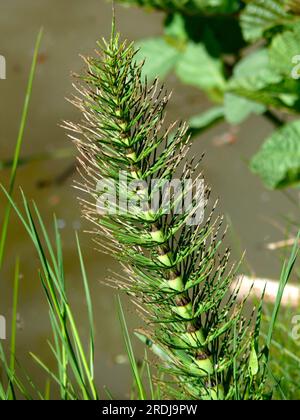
(72, 27)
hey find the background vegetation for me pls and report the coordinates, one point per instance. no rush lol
(245, 57)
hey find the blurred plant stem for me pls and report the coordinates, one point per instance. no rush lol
(274, 119)
(19, 144)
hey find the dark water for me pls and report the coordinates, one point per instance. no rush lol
(70, 28)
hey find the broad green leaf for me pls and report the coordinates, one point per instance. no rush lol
(254, 79)
(256, 70)
(237, 108)
(159, 55)
(278, 161)
(285, 53)
(261, 15)
(198, 68)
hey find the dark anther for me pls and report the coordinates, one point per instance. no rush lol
(173, 275)
(201, 356)
(181, 301)
(191, 328)
(210, 384)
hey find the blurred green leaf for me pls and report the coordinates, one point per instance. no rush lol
(255, 79)
(237, 108)
(198, 68)
(175, 27)
(159, 55)
(283, 95)
(255, 69)
(261, 15)
(200, 122)
(278, 161)
(285, 52)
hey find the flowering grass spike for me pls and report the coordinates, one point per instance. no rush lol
(177, 272)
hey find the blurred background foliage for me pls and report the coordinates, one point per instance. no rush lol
(245, 56)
